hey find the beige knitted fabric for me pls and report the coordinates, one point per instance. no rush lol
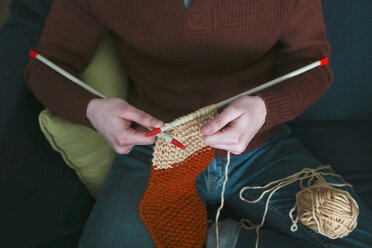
(167, 155)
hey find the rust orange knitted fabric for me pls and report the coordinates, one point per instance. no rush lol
(171, 208)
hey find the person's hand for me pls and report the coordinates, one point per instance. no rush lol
(112, 118)
(235, 127)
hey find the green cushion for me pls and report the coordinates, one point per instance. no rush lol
(83, 149)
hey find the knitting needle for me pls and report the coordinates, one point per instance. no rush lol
(36, 55)
(320, 62)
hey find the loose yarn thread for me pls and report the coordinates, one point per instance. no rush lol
(329, 211)
(222, 198)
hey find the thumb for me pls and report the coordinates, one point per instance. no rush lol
(140, 117)
(220, 121)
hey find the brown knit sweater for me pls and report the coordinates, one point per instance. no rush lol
(179, 61)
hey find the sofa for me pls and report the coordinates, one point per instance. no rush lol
(44, 204)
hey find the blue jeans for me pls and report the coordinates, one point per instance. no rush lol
(114, 221)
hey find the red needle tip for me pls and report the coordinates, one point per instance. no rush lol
(178, 144)
(33, 53)
(323, 61)
(153, 132)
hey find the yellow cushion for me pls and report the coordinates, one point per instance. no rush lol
(83, 149)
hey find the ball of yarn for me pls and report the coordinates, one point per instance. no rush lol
(329, 211)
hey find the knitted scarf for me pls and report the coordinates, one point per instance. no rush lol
(171, 208)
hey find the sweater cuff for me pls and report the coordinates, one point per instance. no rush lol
(80, 106)
(278, 106)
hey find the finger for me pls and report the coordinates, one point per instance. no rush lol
(140, 117)
(141, 129)
(233, 149)
(237, 133)
(229, 114)
(227, 136)
(234, 138)
(124, 149)
(133, 137)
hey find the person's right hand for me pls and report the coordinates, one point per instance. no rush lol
(112, 118)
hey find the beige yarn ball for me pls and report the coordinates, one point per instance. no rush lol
(329, 211)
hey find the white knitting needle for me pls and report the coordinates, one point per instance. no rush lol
(320, 62)
(36, 55)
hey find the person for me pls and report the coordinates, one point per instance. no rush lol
(182, 56)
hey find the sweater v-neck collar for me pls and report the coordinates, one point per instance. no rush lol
(195, 6)
(187, 4)
(198, 17)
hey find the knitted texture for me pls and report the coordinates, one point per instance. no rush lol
(166, 155)
(179, 61)
(171, 208)
(325, 209)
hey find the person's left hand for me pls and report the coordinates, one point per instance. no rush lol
(235, 127)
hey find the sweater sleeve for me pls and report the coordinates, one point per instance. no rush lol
(302, 41)
(69, 39)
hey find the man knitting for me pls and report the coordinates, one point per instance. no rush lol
(181, 57)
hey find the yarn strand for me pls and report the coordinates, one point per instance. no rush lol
(222, 197)
(339, 215)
